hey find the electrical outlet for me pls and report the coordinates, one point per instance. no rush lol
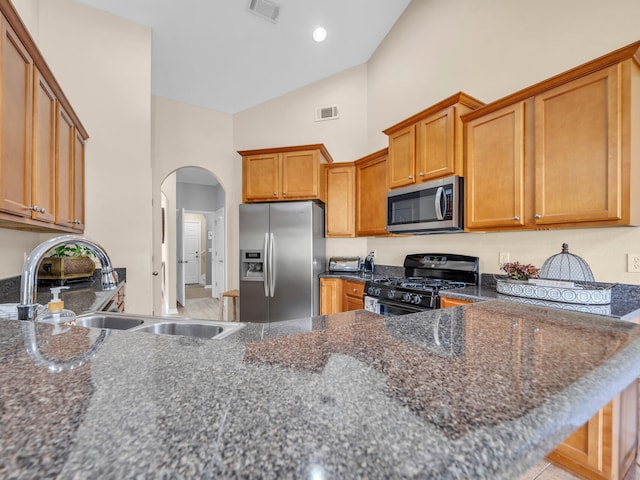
(633, 262)
(503, 257)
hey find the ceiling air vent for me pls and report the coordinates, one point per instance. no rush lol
(326, 113)
(265, 9)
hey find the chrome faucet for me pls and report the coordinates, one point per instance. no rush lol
(27, 308)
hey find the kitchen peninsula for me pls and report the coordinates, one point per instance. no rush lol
(350, 395)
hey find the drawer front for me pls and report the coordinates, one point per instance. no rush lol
(353, 288)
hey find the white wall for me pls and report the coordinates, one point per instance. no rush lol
(189, 136)
(103, 64)
(289, 119)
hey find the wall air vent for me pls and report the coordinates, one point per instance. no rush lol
(265, 9)
(326, 113)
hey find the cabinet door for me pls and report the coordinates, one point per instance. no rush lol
(340, 208)
(44, 151)
(402, 157)
(578, 158)
(300, 175)
(436, 149)
(65, 140)
(330, 296)
(78, 182)
(353, 295)
(448, 302)
(16, 94)
(495, 169)
(371, 196)
(261, 174)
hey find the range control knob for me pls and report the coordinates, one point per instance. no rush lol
(391, 294)
(406, 297)
(417, 299)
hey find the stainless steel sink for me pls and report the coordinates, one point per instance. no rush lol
(159, 325)
(186, 329)
(108, 320)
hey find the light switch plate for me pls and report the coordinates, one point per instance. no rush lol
(503, 257)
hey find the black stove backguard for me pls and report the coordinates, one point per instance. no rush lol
(443, 266)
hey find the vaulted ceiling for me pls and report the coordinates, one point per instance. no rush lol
(219, 55)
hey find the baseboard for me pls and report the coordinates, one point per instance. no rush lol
(172, 311)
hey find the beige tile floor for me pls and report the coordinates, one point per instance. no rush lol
(200, 304)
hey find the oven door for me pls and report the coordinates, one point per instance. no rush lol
(393, 309)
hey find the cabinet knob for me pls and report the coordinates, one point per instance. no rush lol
(410, 177)
(422, 174)
(516, 218)
(34, 208)
(538, 215)
(275, 194)
(43, 210)
(284, 193)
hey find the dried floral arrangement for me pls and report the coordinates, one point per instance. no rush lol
(519, 271)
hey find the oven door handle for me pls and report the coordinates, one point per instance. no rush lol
(405, 306)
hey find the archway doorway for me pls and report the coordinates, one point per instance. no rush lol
(193, 239)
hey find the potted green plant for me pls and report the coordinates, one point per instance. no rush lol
(67, 262)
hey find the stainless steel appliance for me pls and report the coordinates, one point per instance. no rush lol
(429, 207)
(425, 275)
(344, 264)
(282, 252)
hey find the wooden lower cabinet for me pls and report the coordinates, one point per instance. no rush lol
(604, 447)
(447, 302)
(330, 296)
(338, 295)
(352, 295)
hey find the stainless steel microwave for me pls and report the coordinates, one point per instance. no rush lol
(430, 207)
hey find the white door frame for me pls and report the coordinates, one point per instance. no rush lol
(219, 237)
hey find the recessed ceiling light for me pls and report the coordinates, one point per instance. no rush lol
(319, 34)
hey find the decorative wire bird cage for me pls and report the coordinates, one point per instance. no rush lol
(566, 266)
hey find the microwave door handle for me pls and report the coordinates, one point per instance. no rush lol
(438, 204)
(265, 265)
(272, 267)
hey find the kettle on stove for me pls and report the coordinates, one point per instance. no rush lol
(368, 265)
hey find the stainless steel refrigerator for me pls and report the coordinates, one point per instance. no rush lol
(282, 252)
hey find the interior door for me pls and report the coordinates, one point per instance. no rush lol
(218, 254)
(192, 232)
(180, 273)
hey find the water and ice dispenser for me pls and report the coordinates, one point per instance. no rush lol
(252, 262)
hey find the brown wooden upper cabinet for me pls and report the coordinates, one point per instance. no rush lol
(429, 144)
(285, 173)
(371, 194)
(559, 153)
(340, 211)
(32, 136)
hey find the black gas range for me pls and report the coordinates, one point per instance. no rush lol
(426, 274)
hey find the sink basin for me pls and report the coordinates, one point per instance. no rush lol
(186, 329)
(192, 328)
(108, 320)
(159, 325)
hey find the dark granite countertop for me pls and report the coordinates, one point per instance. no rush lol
(351, 395)
(81, 297)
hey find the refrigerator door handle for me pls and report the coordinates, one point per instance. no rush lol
(265, 264)
(272, 267)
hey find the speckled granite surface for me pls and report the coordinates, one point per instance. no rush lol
(481, 391)
(82, 296)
